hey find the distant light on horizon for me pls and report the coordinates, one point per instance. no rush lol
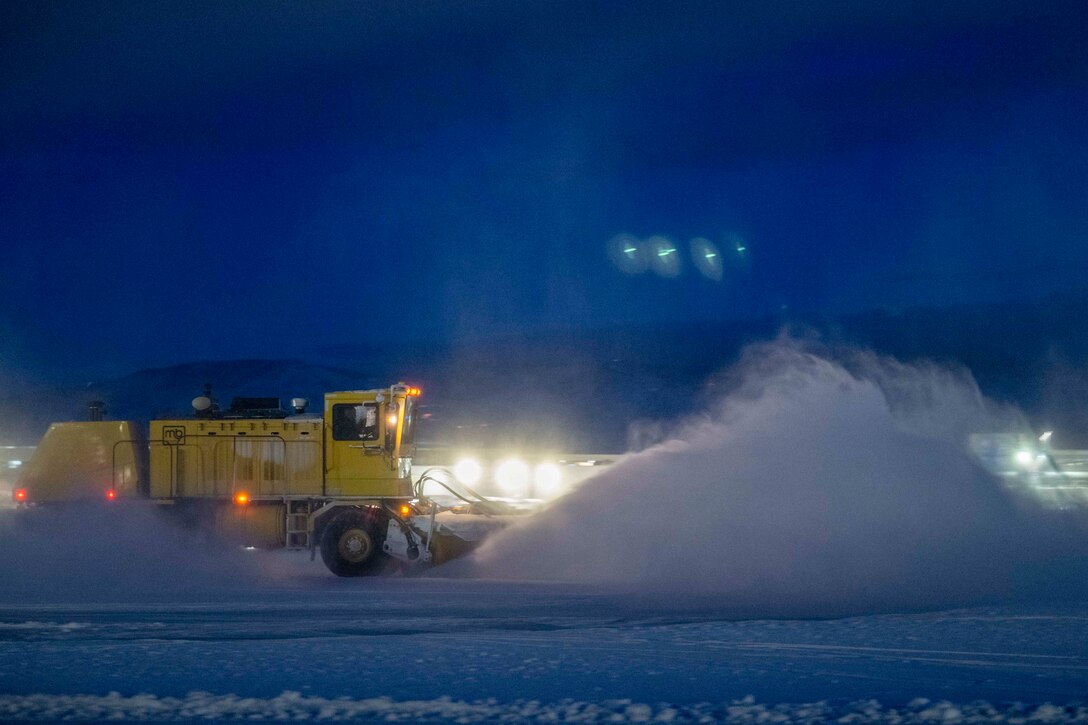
(626, 252)
(659, 253)
(665, 261)
(704, 253)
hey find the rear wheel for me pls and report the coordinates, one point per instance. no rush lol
(352, 544)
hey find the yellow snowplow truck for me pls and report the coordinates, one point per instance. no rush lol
(263, 476)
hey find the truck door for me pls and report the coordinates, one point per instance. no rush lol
(356, 460)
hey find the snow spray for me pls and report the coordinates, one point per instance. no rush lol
(120, 553)
(818, 483)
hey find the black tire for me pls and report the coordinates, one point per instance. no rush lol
(351, 544)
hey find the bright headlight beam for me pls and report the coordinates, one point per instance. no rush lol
(547, 480)
(512, 477)
(467, 471)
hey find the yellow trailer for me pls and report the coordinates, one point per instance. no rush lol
(261, 475)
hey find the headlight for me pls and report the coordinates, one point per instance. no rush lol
(512, 477)
(547, 480)
(467, 471)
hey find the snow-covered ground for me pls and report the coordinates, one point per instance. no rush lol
(315, 646)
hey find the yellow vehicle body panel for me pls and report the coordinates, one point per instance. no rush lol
(218, 458)
(84, 460)
(354, 450)
(360, 463)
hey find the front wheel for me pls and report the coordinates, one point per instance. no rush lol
(352, 544)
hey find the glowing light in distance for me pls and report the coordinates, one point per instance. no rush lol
(19, 494)
(1024, 457)
(468, 471)
(547, 480)
(664, 258)
(706, 258)
(627, 253)
(241, 498)
(512, 477)
(111, 494)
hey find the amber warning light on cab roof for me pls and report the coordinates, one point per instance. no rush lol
(415, 391)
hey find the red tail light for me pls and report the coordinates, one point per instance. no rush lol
(111, 494)
(19, 495)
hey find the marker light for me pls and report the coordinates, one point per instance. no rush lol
(405, 510)
(467, 471)
(241, 498)
(415, 391)
(391, 420)
(111, 494)
(512, 477)
(19, 495)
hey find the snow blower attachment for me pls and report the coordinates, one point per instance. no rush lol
(339, 483)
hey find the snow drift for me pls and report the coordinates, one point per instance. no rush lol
(815, 485)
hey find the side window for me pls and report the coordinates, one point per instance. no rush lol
(351, 422)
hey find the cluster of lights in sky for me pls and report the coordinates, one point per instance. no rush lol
(662, 256)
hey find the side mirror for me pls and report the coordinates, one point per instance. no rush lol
(391, 420)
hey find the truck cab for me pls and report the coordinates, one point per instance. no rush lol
(368, 442)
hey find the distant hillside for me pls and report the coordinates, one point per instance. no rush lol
(584, 390)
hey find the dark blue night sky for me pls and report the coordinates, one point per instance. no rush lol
(196, 180)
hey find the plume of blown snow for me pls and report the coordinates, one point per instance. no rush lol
(817, 484)
(125, 552)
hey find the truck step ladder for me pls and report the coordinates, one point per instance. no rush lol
(298, 523)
